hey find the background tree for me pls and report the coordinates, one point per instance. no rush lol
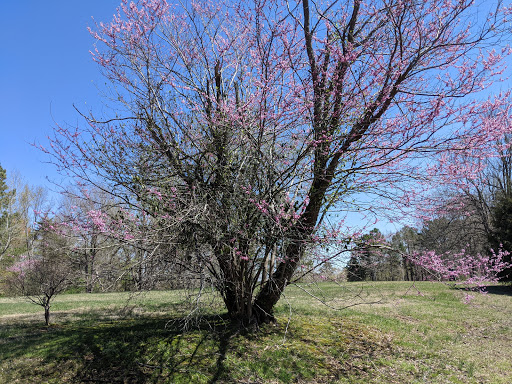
(365, 258)
(406, 242)
(502, 230)
(94, 254)
(452, 233)
(373, 259)
(46, 273)
(241, 126)
(6, 214)
(471, 213)
(21, 206)
(500, 180)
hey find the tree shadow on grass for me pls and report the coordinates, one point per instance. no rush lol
(96, 347)
(499, 289)
(139, 350)
(495, 289)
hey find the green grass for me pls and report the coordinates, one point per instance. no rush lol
(411, 334)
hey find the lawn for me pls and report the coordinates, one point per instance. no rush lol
(386, 332)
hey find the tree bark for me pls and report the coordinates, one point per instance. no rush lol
(47, 314)
(271, 291)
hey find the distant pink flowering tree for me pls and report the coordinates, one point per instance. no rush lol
(481, 199)
(240, 126)
(109, 244)
(463, 269)
(44, 273)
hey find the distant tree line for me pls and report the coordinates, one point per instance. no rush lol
(474, 217)
(81, 258)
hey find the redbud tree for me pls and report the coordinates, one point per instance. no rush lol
(240, 126)
(44, 272)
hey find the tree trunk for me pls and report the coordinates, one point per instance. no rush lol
(271, 292)
(47, 314)
(239, 306)
(239, 303)
(274, 287)
(235, 287)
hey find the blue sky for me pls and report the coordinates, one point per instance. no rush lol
(45, 68)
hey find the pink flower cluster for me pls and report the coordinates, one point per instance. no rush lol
(473, 271)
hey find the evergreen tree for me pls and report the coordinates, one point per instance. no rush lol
(365, 258)
(5, 213)
(502, 233)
